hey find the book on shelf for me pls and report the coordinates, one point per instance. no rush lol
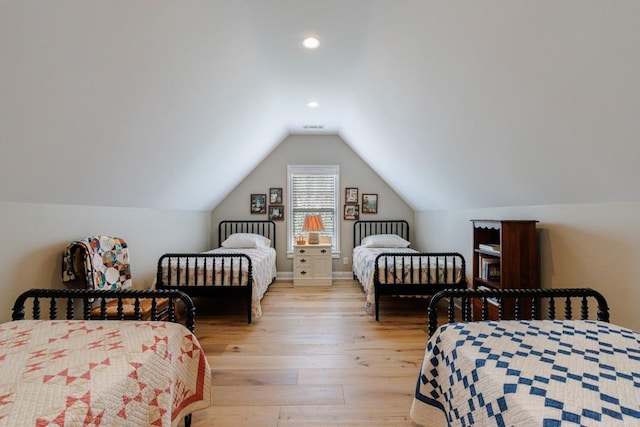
(493, 272)
(489, 247)
(489, 268)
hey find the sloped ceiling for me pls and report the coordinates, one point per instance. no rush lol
(456, 104)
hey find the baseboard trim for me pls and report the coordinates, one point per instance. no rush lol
(338, 275)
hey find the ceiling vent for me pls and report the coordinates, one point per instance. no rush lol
(313, 127)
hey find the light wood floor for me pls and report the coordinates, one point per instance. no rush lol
(314, 358)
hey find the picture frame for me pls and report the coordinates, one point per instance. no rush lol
(351, 195)
(369, 203)
(351, 212)
(276, 212)
(275, 196)
(258, 203)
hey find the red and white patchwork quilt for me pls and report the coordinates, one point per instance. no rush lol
(100, 372)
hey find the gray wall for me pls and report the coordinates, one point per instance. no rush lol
(308, 150)
(35, 235)
(585, 245)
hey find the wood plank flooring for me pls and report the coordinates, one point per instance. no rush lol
(314, 358)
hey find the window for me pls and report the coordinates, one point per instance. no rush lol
(313, 190)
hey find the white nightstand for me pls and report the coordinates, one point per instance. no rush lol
(312, 265)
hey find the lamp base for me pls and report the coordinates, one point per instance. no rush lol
(314, 238)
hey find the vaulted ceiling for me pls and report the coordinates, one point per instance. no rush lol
(456, 104)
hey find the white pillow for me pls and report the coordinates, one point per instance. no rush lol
(384, 241)
(246, 240)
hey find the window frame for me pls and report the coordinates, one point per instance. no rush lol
(325, 170)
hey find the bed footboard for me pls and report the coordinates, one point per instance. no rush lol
(462, 300)
(419, 273)
(207, 275)
(94, 303)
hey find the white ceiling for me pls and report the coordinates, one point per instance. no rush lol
(456, 104)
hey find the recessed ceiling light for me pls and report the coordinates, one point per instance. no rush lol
(312, 104)
(310, 42)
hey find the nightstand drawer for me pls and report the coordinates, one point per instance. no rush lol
(312, 250)
(302, 261)
(302, 273)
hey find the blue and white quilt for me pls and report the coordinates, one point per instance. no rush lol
(530, 373)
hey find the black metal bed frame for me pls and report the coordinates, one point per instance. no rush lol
(199, 261)
(263, 228)
(90, 299)
(463, 300)
(403, 284)
(362, 229)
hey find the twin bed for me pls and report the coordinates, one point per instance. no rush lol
(79, 366)
(541, 372)
(384, 264)
(244, 264)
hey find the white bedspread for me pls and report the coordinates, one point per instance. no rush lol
(530, 373)
(100, 372)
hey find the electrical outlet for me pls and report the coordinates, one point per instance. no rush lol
(345, 260)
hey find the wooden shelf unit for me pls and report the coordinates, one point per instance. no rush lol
(518, 259)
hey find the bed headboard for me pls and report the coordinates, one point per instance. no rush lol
(362, 229)
(44, 304)
(263, 228)
(464, 299)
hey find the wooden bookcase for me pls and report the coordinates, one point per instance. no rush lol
(515, 263)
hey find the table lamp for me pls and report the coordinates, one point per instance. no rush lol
(313, 224)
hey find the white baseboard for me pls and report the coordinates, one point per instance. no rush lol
(342, 275)
(284, 275)
(288, 275)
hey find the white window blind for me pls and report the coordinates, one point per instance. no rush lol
(313, 190)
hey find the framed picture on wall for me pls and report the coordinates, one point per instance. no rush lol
(275, 196)
(370, 203)
(351, 212)
(276, 212)
(351, 196)
(258, 203)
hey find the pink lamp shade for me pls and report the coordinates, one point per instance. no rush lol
(313, 224)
